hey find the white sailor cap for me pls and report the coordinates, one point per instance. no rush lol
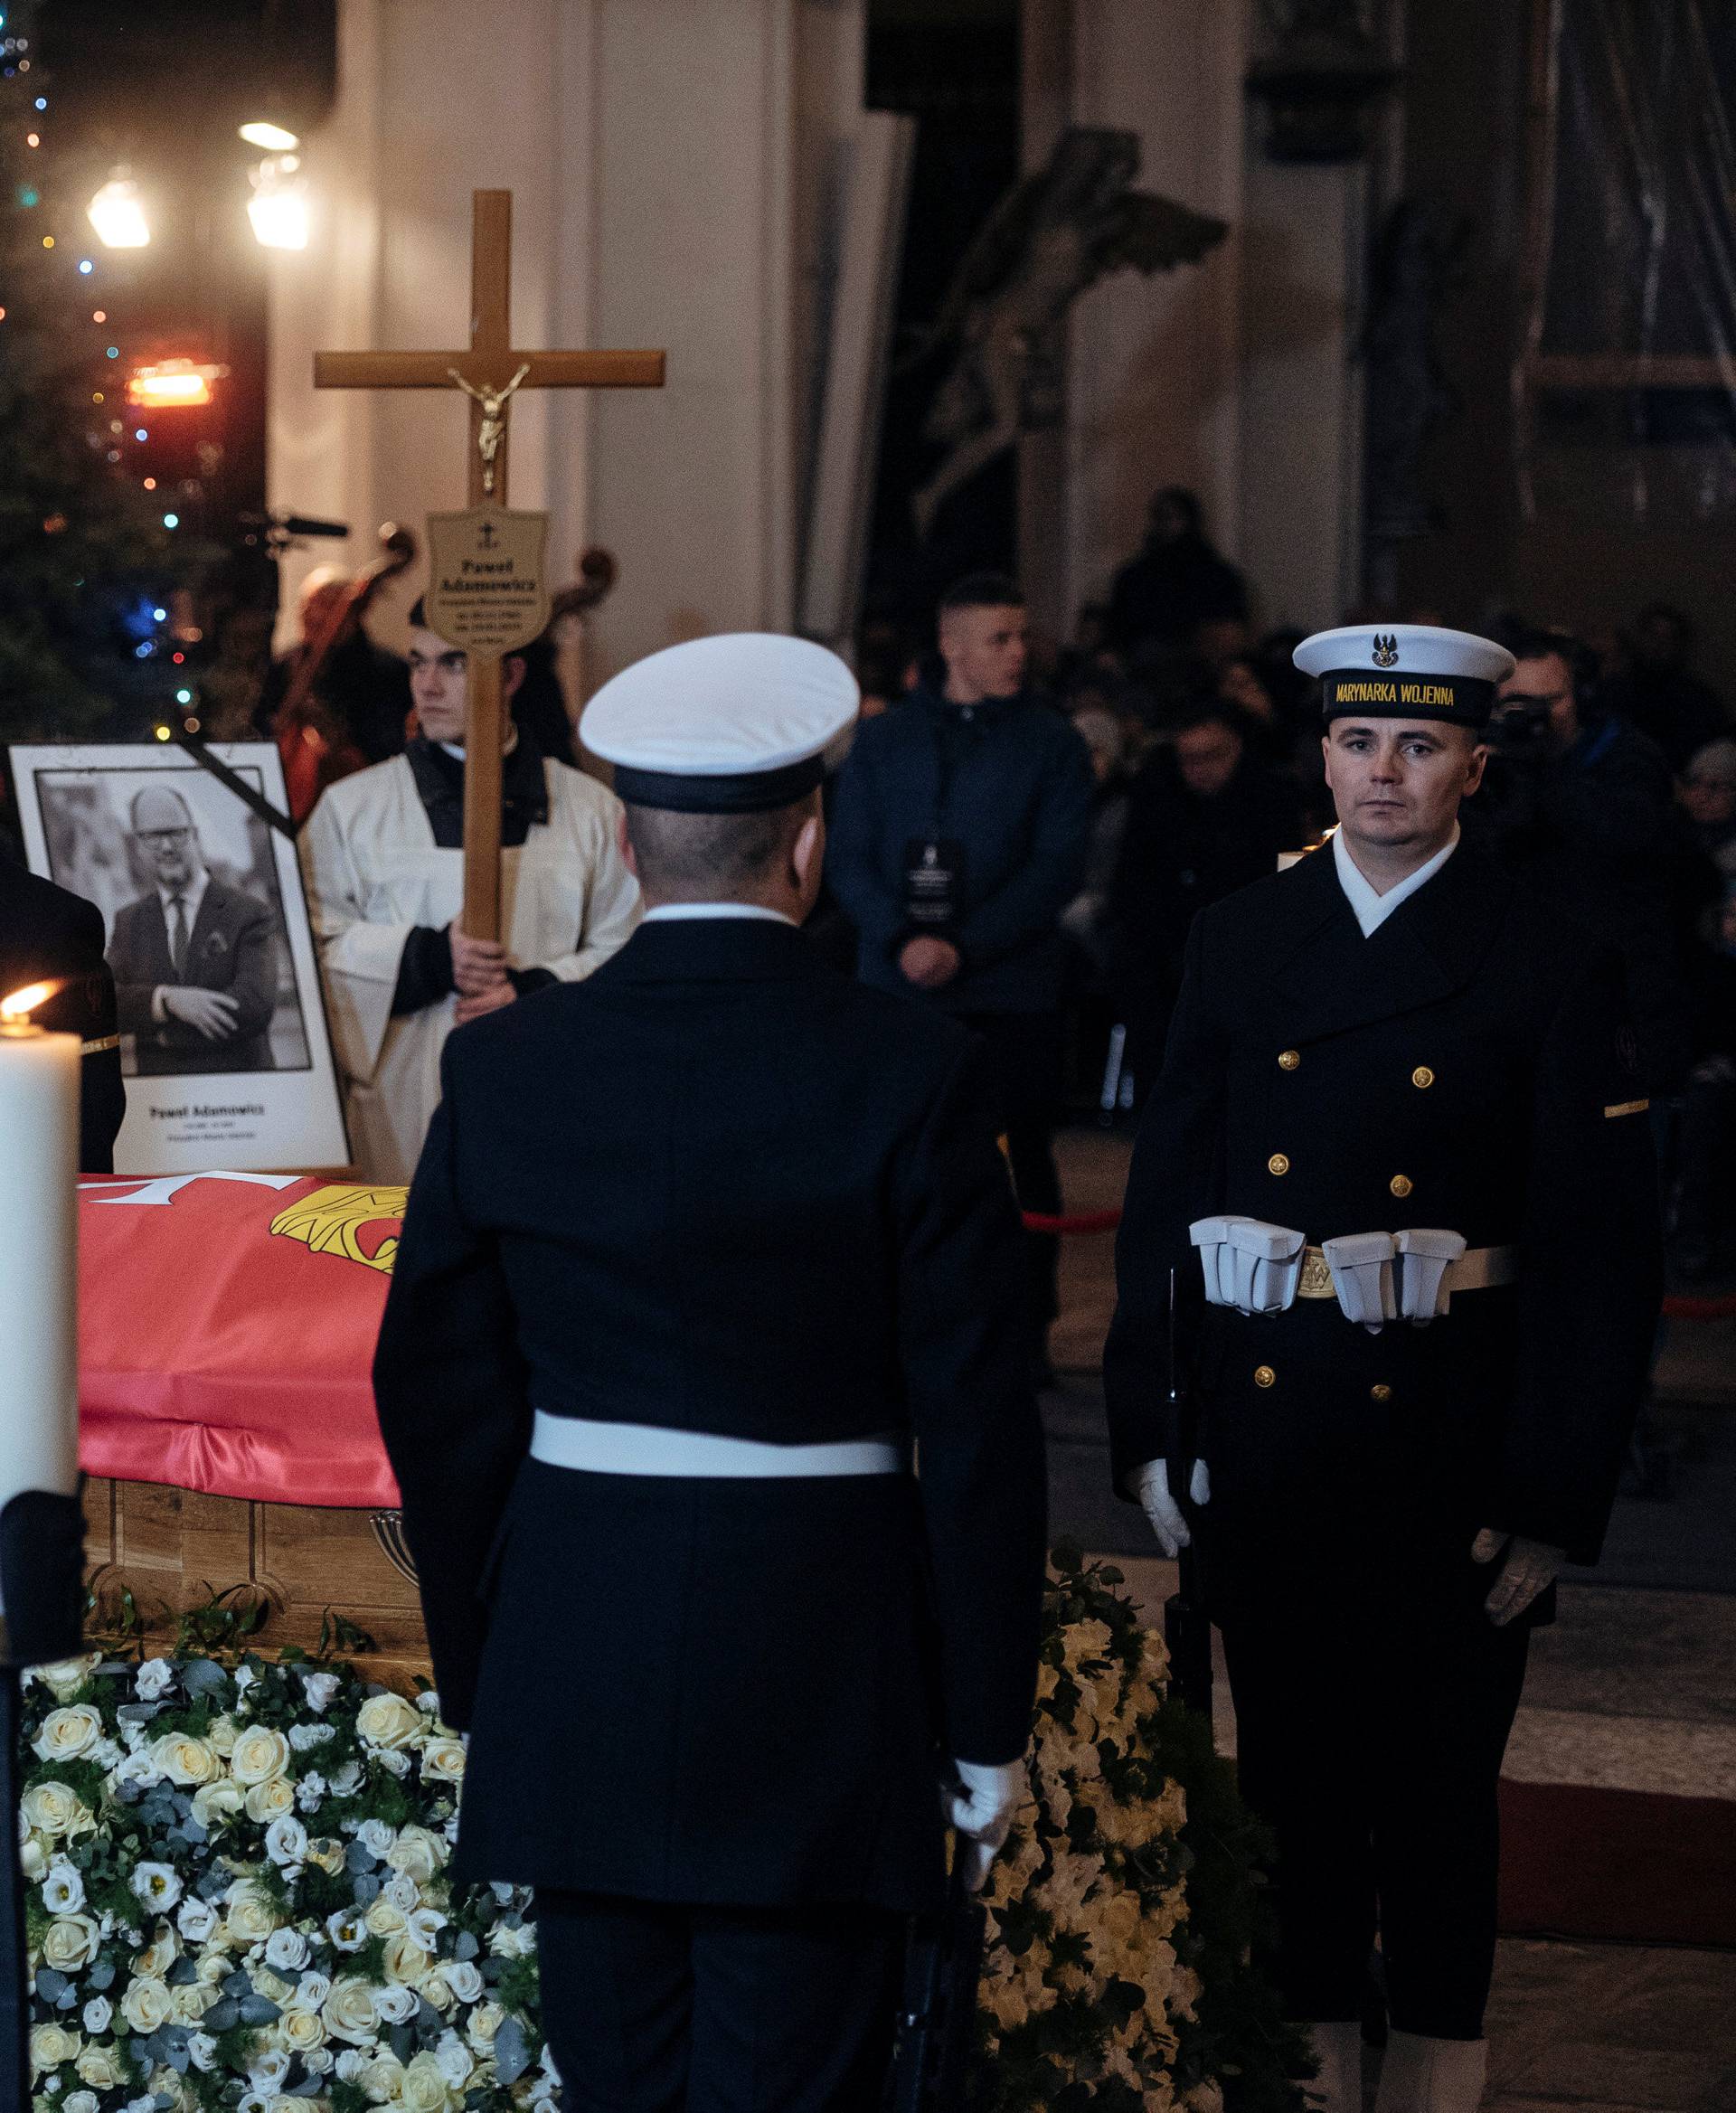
(1406, 671)
(731, 725)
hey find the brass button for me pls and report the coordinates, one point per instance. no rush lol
(1289, 1060)
(1400, 1184)
(1422, 1076)
(1264, 1376)
(1277, 1164)
(1381, 1393)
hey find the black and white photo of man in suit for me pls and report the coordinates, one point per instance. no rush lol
(194, 962)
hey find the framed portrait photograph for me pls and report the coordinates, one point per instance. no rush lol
(224, 1048)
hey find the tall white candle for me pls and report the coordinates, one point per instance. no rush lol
(39, 1261)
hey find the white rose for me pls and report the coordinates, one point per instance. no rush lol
(202, 2050)
(260, 1754)
(52, 1808)
(286, 1951)
(268, 2069)
(192, 2001)
(319, 1689)
(71, 1943)
(80, 2102)
(417, 1854)
(396, 2005)
(382, 2077)
(154, 1678)
(300, 2030)
(386, 1919)
(275, 1800)
(393, 1761)
(349, 2065)
(251, 1917)
(443, 1761)
(402, 1891)
(186, 1761)
(138, 1770)
(66, 1676)
(425, 2087)
(160, 1954)
(511, 1944)
(196, 1920)
(286, 1840)
(304, 1737)
(484, 2022)
(435, 1988)
(32, 1860)
(216, 1803)
(50, 2045)
(97, 2014)
(147, 2004)
(214, 1963)
(158, 1885)
(376, 1837)
(425, 1925)
(465, 1979)
(405, 1960)
(221, 1735)
(349, 2011)
(273, 1987)
(326, 1853)
(457, 2064)
(387, 1720)
(62, 1888)
(100, 2067)
(317, 2061)
(68, 1733)
(313, 1991)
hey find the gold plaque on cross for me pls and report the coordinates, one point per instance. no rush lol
(487, 587)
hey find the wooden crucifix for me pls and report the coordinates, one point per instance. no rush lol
(491, 372)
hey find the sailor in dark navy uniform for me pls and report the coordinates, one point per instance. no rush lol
(1399, 1161)
(698, 1252)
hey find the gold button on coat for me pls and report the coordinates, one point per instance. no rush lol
(1289, 1060)
(1422, 1076)
(1400, 1184)
(1277, 1164)
(1381, 1393)
(1264, 1375)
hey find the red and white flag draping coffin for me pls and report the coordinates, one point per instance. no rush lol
(226, 1328)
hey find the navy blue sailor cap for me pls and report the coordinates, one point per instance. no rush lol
(1405, 671)
(736, 724)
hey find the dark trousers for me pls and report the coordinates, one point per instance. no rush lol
(652, 2008)
(1374, 1756)
(1024, 1057)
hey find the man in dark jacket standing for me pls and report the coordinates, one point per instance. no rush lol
(1205, 817)
(1398, 1171)
(655, 1358)
(959, 836)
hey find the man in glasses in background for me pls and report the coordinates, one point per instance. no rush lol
(195, 966)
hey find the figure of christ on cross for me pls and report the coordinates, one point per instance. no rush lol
(490, 373)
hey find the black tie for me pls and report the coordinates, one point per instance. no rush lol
(178, 937)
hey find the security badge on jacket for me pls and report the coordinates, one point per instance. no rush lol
(934, 882)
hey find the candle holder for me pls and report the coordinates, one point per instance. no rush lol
(42, 1589)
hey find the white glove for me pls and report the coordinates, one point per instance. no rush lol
(1530, 1568)
(1151, 1486)
(981, 1806)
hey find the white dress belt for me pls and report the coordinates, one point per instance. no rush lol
(648, 1448)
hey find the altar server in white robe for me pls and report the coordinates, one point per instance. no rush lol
(382, 860)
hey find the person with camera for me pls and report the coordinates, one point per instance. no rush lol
(1581, 806)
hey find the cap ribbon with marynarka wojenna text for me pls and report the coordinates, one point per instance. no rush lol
(1406, 671)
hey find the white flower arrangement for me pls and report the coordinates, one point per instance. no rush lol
(239, 1901)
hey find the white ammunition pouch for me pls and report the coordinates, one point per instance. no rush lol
(1361, 1274)
(1426, 1255)
(1248, 1264)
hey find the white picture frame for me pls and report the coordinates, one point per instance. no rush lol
(225, 1050)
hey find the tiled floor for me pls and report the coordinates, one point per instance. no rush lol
(1635, 1687)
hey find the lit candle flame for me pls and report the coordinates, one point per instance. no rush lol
(21, 1004)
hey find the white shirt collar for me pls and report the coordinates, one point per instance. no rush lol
(192, 896)
(683, 913)
(1372, 908)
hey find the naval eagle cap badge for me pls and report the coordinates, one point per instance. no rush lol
(1386, 650)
